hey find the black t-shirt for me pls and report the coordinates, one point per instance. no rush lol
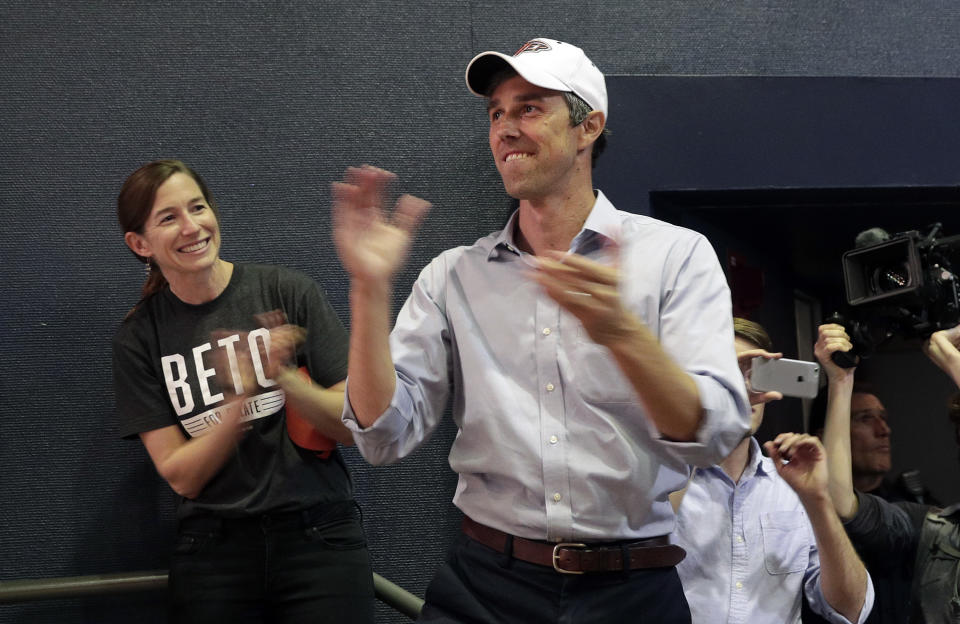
(163, 375)
(897, 491)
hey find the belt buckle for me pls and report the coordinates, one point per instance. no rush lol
(556, 556)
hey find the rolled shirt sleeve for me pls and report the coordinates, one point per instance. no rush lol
(821, 607)
(420, 346)
(693, 321)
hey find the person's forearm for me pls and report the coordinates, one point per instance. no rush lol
(371, 375)
(843, 578)
(668, 394)
(836, 442)
(192, 463)
(954, 371)
(323, 407)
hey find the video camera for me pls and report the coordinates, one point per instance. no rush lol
(897, 285)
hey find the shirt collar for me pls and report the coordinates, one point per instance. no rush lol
(603, 224)
(757, 465)
(504, 239)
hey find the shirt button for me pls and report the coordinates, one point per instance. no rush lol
(554, 439)
(546, 331)
(739, 585)
(557, 497)
(739, 539)
(549, 387)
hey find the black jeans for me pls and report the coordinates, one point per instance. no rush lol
(290, 567)
(478, 585)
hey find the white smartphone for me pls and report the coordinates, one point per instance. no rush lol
(795, 378)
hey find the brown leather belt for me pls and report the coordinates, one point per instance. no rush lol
(577, 558)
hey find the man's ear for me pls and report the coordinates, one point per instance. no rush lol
(137, 244)
(592, 127)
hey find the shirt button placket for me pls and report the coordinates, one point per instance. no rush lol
(740, 561)
(551, 422)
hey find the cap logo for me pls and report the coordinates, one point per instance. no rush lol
(534, 45)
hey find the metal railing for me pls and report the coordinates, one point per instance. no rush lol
(28, 590)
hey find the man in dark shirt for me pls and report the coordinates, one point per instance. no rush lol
(870, 443)
(918, 541)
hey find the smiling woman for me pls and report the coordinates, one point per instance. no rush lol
(146, 202)
(181, 236)
(241, 422)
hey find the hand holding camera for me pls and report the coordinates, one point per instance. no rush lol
(941, 348)
(832, 339)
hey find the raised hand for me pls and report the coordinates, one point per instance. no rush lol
(284, 340)
(372, 245)
(830, 339)
(745, 360)
(941, 348)
(588, 290)
(843, 579)
(805, 469)
(235, 374)
(236, 378)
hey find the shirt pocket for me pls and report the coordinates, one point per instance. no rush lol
(596, 375)
(786, 541)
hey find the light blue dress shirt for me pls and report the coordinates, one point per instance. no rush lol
(750, 549)
(553, 443)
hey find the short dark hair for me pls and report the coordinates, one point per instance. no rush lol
(579, 110)
(576, 106)
(752, 332)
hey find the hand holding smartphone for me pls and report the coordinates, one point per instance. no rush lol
(796, 378)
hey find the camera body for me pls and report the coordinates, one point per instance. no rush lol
(902, 285)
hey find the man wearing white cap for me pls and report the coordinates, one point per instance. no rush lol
(588, 352)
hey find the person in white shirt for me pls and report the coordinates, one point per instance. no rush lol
(761, 534)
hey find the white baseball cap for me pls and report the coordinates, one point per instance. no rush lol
(547, 63)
